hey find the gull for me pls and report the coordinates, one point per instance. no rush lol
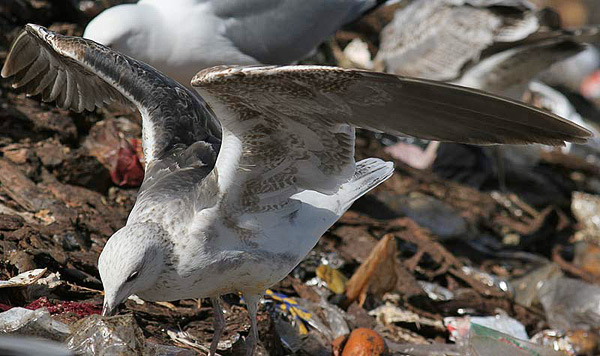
(235, 210)
(498, 46)
(181, 37)
(571, 73)
(543, 96)
(494, 45)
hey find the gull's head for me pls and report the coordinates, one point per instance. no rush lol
(131, 262)
(123, 28)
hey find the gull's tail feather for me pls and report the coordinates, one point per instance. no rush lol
(369, 173)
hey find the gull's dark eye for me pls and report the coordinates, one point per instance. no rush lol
(132, 276)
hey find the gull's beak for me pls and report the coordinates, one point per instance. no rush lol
(107, 310)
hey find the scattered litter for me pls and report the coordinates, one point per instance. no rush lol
(299, 315)
(425, 350)
(136, 299)
(97, 335)
(434, 214)
(585, 207)
(377, 275)
(333, 279)
(573, 342)
(436, 292)
(24, 279)
(413, 154)
(36, 323)
(570, 303)
(357, 51)
(459, 327)
(389, 313)
(484, 341)
(116, 153)
(186, 339)
(526, 287)
(488, 279)
(80, 309)
(365, 342)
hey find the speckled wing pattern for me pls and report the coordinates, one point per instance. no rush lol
(436, 39)
(287, 129)
(81, 74)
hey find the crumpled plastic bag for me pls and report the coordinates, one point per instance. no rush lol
(116, 335)
(570, 303)
(32, 323)
(484, 341)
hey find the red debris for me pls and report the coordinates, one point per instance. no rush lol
(590, 87)
(128, 171)
(81, 309)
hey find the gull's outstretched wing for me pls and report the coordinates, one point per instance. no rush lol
(42, 63)
(81, 74)
(288, 129)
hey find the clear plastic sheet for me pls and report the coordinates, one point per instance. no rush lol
(484, 341)
(570, 303)
(116, 335)
(36, 323)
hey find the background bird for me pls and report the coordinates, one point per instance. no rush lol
(497, 46)
(181, 37)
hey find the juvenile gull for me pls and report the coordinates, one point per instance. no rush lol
(237, 211)
(181, 37)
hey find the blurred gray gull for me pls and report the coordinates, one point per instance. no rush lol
(498, 46)
(494, 45)
(181, 37)
(17, 345)
(236, 210)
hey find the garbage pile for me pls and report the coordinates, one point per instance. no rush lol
(463, 251)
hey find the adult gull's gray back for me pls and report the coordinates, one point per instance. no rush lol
(181, 37)
(236, 211)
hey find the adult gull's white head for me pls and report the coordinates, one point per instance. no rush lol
(127, 28)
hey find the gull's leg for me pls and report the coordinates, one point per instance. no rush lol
(219, 325)
(252, 305)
